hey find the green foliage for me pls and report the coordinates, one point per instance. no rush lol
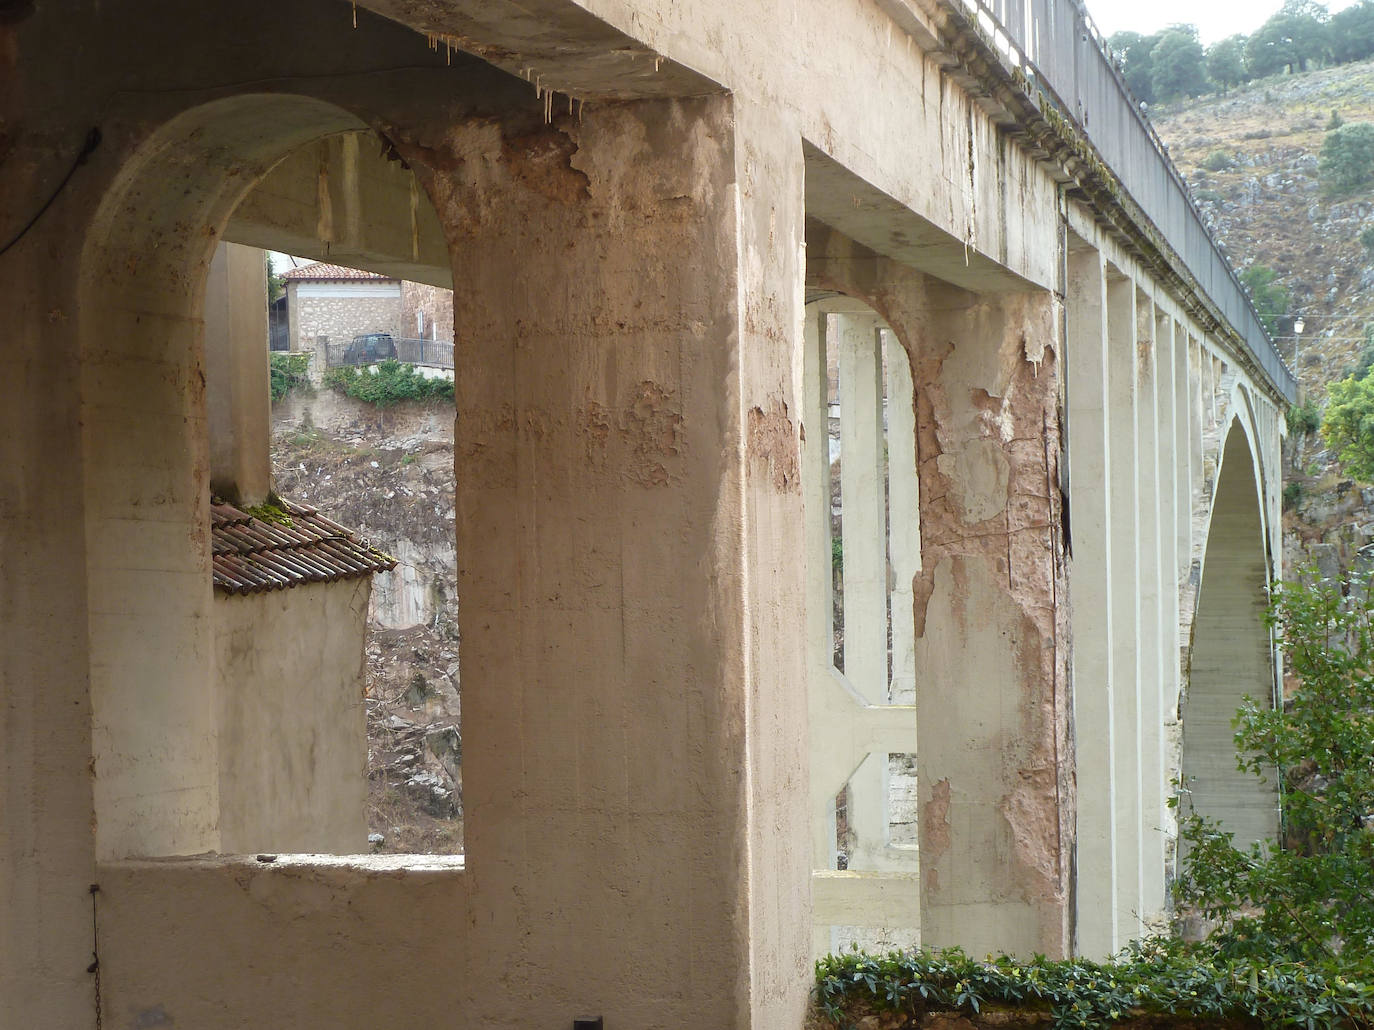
(389, 383)
(1218, 161)
(1293, 493)
(276, 285)
(287, 372)
(1346, 163)
(1310, 901)
(1271, 298)
(1334, 122)
(1348, 425)
(1226, 62)
(1351, 32)
(1304, 418)
(1367, 239)
(1161, 978)
(1134, 50)
(1178, 64)
(1289, 40)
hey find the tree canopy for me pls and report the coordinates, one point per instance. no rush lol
(1346, 163)
(1178, 64)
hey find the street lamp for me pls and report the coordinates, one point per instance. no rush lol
(1298, 326)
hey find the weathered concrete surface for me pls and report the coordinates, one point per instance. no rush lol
(609, 696)
(291, 738)
(991, 674)
(297, 933)
(343, 200)
(237, 402)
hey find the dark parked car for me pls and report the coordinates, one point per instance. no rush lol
(370, 347)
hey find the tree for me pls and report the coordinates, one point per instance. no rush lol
(1226, 62)
(1310, 899)
(1351, 32)
(1271, 297)
(1177, 64)
(1134, 51)
(1346, 163)
(1348, 426)
(1289, 40)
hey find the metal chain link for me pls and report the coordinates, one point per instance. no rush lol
(94, 967)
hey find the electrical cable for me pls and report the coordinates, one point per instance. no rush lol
(87, 148)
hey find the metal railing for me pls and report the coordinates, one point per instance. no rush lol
(430, 353)
(1058, 46)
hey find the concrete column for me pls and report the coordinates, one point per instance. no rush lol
(988, 656)
(904, 517)
(1124, 604)
(1090, 591)
(1153, 659)
(863, 500)
(237, 399)
(629, 549)
(46, 842)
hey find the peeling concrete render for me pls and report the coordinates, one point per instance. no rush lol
(639, 206)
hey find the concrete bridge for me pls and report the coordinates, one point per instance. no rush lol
(868, 479)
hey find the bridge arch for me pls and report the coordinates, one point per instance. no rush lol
(1232, 653)
(142, 287)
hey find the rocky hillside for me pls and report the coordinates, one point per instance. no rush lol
(389, 476)
(1251, 157)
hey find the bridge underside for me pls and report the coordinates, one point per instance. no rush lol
(834, 492)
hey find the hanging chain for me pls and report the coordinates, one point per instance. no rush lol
(94, 967)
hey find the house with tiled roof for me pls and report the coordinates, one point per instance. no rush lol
(291, 591)
(329, 303)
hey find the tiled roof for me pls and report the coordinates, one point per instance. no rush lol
(321, 270)
(251, 555)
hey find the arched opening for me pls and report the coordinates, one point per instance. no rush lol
(1232, 654)
(863, 525)
(217, 726)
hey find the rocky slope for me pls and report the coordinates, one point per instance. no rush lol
(389, 476)
(1251, 157)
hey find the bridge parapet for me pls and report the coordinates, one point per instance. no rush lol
(1055, 57)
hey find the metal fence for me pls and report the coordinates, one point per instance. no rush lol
(1059, 46)
(431, 353)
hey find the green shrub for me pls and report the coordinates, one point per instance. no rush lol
(1293, 494)
(1346, 163)
(1163, 978)
(389, 383)
(1218, 161)
(287, 372)
(1367, 239)
(1271, 297)
(1308, 901)
(1304, 418)
(1348, 424)
(1336, 121)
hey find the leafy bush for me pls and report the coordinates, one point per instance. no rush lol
(1293, 494)
(389, 383)
(1304, 418)
(1158, 977)
(1346, 163)
(1367, 239)
(1348, 425)
(287, 372)
(1218, 161)
(1271, 298)
(1310, 900)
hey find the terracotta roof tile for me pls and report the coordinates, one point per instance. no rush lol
(323, 270)
(250, 554)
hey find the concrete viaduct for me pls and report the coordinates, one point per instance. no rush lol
(868, 479)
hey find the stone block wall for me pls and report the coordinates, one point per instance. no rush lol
(342, 317)
(434, 304)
